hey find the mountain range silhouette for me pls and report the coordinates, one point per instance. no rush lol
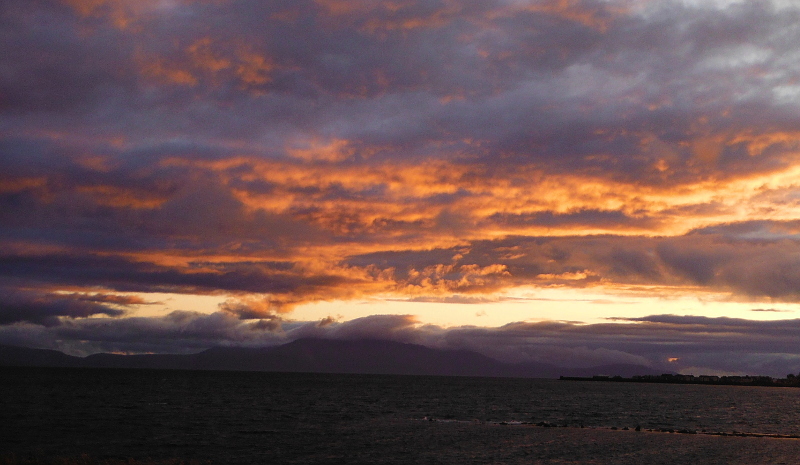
(321, 356)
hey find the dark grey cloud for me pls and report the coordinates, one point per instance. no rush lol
(541, 84)
(45, 308)
(177, 332)
(50, 66)
(123, 274)
(694, 344)
(133, 205)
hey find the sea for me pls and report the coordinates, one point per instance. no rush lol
(215, 417)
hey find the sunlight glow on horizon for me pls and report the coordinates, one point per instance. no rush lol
(586, 306)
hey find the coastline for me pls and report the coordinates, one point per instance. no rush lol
(765, 381)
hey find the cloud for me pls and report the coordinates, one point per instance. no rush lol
(518, 80)
(45, 308)
(700, 344)
(401, 328)
(177, 332)
(462, 299)
(720, 262)
(291, 152)
(286, 284)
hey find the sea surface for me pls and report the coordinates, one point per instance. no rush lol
(249, 417)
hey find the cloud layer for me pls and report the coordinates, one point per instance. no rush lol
(284, 153)
(697, 345)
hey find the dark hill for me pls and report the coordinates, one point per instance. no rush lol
(23, 356)
(369, 356)
(320, 356)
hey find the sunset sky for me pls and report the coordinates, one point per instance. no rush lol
(577, 182)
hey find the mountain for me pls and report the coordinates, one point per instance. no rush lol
(23, 356)
(320, 356)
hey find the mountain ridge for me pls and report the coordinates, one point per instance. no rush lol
(366, 356)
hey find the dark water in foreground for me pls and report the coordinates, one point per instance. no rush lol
(235, 417)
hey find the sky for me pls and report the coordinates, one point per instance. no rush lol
(578, 182)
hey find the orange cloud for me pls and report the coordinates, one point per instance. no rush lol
(210, 62)
(123, 198)
(203, 57)
(448, 279)
(383, 199)
(10, 185)
(758, 143)
(121, 13)
(86, 7)
(160, 70)
(334, 150)
(396, 21)
(254, 69)
(595, 17)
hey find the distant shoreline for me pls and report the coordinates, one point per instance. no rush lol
(789, 381)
